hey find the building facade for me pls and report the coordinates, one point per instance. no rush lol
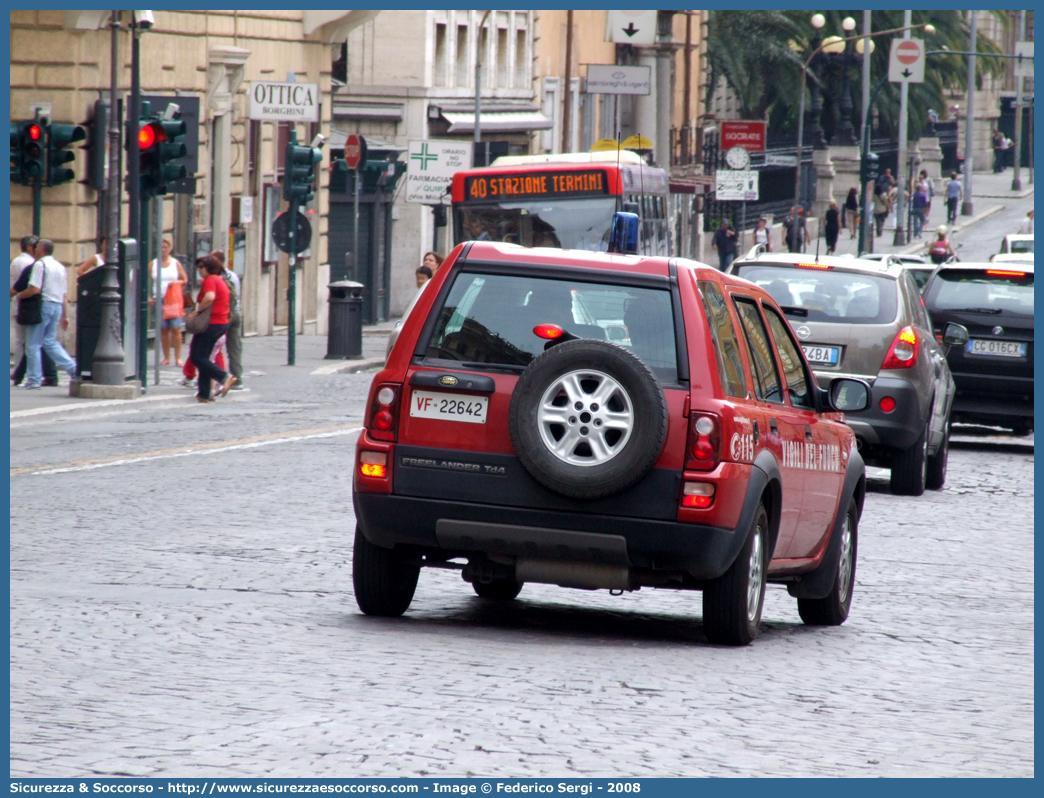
(61, 59)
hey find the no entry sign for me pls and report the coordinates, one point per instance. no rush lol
(747, 134)
(355, 151)
(906, 62)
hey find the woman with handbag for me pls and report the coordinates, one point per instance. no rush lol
(208, 323)
(172, 276)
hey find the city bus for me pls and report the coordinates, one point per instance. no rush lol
(565, 201)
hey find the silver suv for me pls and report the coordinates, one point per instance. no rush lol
(866, 319)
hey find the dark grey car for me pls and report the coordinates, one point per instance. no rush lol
(865, 319)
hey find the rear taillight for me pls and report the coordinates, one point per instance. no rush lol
(373, 464)
(384, 413)
(704, 446)
(903, 352)
(699, 495)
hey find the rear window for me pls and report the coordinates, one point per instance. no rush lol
(1021, 245)
(983, 291)
(489, 319)
(827, 294)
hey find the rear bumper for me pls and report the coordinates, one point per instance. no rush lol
(454, 528)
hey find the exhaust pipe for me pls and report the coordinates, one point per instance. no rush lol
(586, 576)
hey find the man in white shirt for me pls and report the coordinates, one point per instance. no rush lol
(1026, 228)
(48, 278)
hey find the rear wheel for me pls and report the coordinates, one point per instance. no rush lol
(910, 468)
(732, 603)
(500, 589)
(935, 476)
(384, 580)
(832, 610)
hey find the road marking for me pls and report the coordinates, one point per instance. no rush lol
(188, 451)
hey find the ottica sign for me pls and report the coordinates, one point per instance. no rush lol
(284, 102)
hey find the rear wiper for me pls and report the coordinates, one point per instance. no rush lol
(494, 367)
(990, 311)
(793, 310)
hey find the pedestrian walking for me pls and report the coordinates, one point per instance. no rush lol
(433, 260)
(761, 235)
(795, 229)
(929, 191)
(94, 261)
(941, 249)
(881, 208)
(1026, 228)
(832, 226)
(423, 275)
(49, 281)
(918, 209)
(213, 300)
(999, 148)
(954, 195)
(19, 282)
(724, 242)
(851, 211)
(234, 336)
(172, 276)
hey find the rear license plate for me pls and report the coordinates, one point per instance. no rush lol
(985, 346)
(449, 406)
(822, 355)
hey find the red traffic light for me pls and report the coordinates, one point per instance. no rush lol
(34, 132)
(151, 134)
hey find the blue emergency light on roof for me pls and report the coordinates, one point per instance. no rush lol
(623, 234)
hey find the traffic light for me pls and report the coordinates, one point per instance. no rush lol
(159, 147)
(60, 137)
(869, 167)
(27, 151)
(299, 174)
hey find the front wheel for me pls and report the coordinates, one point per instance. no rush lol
(384, 580)
(732, 603)
(832, 610)
(909, 469)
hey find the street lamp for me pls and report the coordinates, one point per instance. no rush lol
(859, 46)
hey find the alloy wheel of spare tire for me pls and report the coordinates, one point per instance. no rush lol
(587, 419)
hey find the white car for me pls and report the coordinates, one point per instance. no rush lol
(1017, 244)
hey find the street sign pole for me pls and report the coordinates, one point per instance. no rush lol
(904, 180)
(291, 291)
(157, 221)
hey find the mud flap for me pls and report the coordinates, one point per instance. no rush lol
(818, 583)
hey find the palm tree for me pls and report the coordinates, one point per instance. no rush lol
(759, 54)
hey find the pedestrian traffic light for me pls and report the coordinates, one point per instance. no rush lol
(59, 137)
(159, 145)
(27, 151)
(299, 174)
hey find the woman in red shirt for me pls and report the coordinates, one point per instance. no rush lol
(213, 294)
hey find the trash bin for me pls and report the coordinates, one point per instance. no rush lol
(344, 332)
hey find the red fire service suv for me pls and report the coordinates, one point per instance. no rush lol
(606, 421)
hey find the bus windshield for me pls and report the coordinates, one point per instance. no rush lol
(566, 224)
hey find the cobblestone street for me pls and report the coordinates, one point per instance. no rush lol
(192, 614)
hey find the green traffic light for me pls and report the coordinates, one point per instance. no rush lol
(59, 137)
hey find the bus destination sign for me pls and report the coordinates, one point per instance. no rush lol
(537, 185)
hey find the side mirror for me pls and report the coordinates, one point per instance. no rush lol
(955, 335)
(623, 234)
(848, 395)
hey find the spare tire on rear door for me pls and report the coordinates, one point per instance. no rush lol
(587, 419)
